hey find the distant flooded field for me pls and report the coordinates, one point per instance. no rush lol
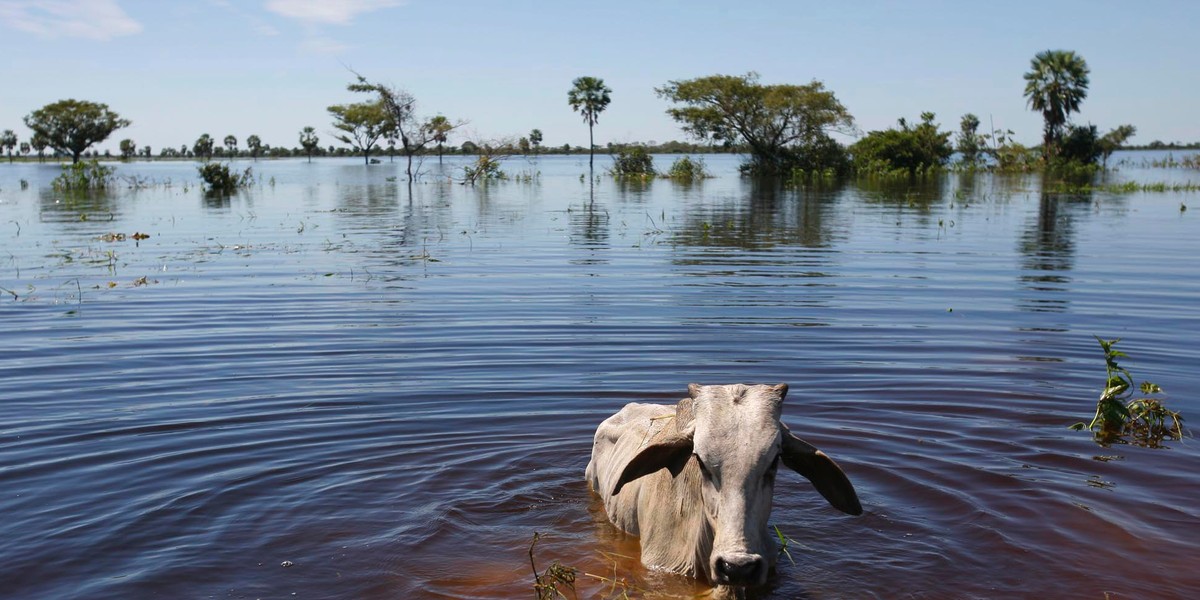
(332, 385)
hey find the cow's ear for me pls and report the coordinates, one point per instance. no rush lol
(671, 453)
(817, 467)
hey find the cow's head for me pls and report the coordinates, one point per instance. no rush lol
(734, 434)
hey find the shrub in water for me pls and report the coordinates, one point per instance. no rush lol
(84, 176)
(486, 168)
(686, 169)
(634, 163)
(217, 177)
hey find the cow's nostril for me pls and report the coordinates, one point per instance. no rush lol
(739, 569)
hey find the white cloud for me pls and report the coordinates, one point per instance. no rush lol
(323, 45)
(335, 12)
(90, 19)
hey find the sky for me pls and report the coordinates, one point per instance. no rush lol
(180, 68)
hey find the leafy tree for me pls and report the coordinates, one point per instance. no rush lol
(469, 147)
(203, 148)
(439, 129)
(1080, 144)
(908, 148)
(401, 107)
(8, 141)
(128, 149)
(39, 143)
(589, 97)
(254, 145)
(25, 148)
(72, 126)
(1056, 85)
(361, 125)
(535, 138)
(1114, 139)
(784, 127)
(231, 145)
(1083, 144)
(309, 140)
(523, 144)
(969, 142)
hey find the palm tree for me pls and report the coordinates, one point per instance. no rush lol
(438, 129)
(309, 140)
(1056, 84)
(254, 144)
(231, 145)
(589, 97)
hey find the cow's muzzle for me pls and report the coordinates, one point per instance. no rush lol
(740, 569)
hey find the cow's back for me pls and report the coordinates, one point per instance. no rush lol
(663, 510)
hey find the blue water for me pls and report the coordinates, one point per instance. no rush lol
(334, 385)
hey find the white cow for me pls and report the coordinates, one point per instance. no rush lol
(695, 480)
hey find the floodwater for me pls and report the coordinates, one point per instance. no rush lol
(332, 386)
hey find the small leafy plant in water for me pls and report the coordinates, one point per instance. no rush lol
(216, 177)
(1119, 415)
(686, 169)
(547, 584)
(84, 176)
(633, 163)
(558, 580)
(486, 168)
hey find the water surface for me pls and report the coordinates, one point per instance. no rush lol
(333, 385)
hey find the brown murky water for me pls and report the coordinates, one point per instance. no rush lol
(327, 387)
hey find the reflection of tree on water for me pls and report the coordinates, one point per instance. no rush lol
(1048, 248)
(590, 229)
(768, 215)
(64, 207)
(907, 193)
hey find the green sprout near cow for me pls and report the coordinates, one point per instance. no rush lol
(1120, 415)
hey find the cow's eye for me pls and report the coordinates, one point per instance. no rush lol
(703, 469)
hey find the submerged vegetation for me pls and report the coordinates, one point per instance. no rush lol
(558, 581)
(79, 176)
(906, 149)
(1122, 417)
(633, 163)
(686, 169)
(485, 168)
(218, 178)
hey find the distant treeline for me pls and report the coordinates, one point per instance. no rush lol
(1160, 145)
(466, 149)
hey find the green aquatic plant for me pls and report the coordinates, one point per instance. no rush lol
(1119, 415)
(686, 169)
(217, 177)
(549, 584)
(1128, 187)
(633, 163)
(84, 176)
(485, 168)
(558, 580)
